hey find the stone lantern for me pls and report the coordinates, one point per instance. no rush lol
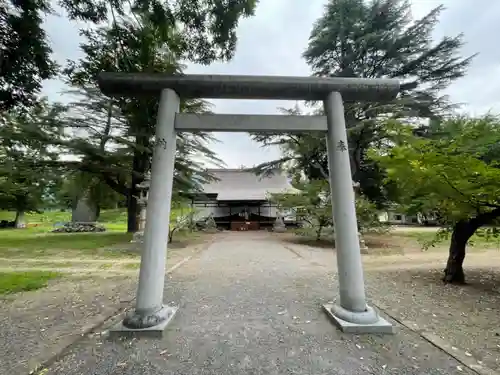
(279, 224)
(362, 245)
(142, 202)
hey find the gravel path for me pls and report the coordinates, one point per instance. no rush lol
(464, 319)
(250, 305)
(39, 324)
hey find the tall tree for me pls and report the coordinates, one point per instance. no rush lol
(28, 178)
(144, 36)
(454, 176)
(24, 52)
(379, 39)
(209, 27)
(117, 140)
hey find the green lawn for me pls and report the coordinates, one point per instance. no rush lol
(478, 239)
(27, 243)
(38, 241)
(14, 282)
(51, 217)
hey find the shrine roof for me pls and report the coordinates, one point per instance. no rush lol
(244, 185)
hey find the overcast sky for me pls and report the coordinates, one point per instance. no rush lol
(271, 43)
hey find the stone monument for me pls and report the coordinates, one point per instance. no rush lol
(85, 210)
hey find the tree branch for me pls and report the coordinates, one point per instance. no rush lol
(477, 204)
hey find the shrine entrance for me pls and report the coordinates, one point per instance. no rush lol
(350, 312)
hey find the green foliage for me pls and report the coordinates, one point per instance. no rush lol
(114, 137)
(374, 39)
(441, 235)
(15, 282)
(77, 184)
(367, 215)
(25, 53)
(209, 27)
(454, 174)
(181, 219)
(311, 205)
(28, 177)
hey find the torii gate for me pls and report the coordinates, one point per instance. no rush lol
(350, 313)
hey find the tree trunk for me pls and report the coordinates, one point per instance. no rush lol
(171, 234)
(97, 212)
(132, 210)
(140, 164)
(454, 272)
(462, 232)
(20, 221)
(318, 233)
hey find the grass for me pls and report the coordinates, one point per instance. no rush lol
(44, 264)
(113, 218)
(397, 242)
(26, 242)
(37, 241)
(476, 240)
(15, 282)
(132, 266)
(51, 217)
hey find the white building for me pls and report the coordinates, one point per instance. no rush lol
(398, 218)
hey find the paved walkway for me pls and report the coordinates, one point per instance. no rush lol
(249, 305)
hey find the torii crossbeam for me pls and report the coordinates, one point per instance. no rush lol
(351, 312)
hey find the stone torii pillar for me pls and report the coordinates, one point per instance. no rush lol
(350, 312)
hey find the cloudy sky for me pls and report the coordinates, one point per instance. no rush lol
(271, 43)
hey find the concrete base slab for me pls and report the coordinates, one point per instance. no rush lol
(382, 326)
(119, 330)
